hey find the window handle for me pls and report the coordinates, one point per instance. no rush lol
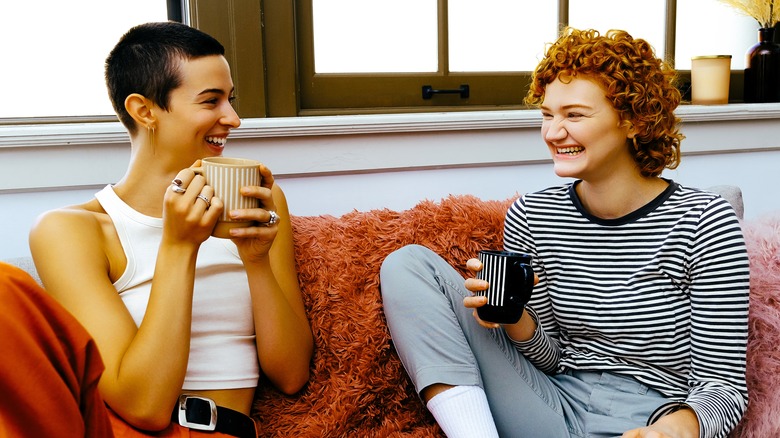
(428, 91)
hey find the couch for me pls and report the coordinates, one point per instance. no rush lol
(358, 387)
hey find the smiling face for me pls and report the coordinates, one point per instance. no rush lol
(200, 114)
(584, 131)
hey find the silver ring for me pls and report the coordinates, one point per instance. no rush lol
(205, 199)
(273, 220)
(177, 182)
(177, 189)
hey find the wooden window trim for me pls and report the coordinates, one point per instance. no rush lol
(270, 48)
(238, 26)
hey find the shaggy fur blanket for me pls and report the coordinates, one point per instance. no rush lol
(762, 236)
(358, 387)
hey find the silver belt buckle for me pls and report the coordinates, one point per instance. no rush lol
(197, 426)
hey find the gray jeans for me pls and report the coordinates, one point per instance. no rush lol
(439, 341)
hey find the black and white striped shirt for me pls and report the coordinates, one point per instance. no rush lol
(661, 294)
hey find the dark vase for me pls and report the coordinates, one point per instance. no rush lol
(762, 75)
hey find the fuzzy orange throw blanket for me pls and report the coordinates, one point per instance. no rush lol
(358, 387)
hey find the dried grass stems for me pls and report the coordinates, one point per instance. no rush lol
(764, 11)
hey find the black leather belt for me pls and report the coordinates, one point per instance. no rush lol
(201, 413)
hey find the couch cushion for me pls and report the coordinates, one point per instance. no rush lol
(26, 263)
(733, 194)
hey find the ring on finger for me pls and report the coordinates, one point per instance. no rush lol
(272, 220)
(177, 189)
(205, 199)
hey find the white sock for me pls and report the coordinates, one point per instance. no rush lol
(463, 412)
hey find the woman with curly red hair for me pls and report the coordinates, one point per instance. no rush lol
(637, 325)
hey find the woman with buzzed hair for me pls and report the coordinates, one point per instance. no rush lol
(185, 322)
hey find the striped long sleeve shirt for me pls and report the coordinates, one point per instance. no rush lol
(661, 295)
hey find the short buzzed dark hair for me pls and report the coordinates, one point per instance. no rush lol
(146, 61)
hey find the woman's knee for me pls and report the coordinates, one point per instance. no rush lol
(401, 267)
(409, 257)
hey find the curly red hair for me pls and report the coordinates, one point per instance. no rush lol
(638, 84)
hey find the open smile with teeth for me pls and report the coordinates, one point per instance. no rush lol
(219, 141)
(570, 150)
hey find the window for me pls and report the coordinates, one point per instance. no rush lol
(358, 56)
(308, 57)
(54, 52)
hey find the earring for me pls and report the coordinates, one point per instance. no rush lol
(150, 132)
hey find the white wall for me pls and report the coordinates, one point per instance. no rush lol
(400, 190)
(333, 165)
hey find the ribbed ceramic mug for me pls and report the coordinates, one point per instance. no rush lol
(510, 279)
(227, 176)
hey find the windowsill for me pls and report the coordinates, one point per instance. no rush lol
(356, 144)
(65, 134)
(733, 111)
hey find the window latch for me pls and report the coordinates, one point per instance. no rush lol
(428, 91)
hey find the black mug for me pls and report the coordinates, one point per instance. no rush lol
(510, 282)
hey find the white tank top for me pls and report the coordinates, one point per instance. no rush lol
(223, 354)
